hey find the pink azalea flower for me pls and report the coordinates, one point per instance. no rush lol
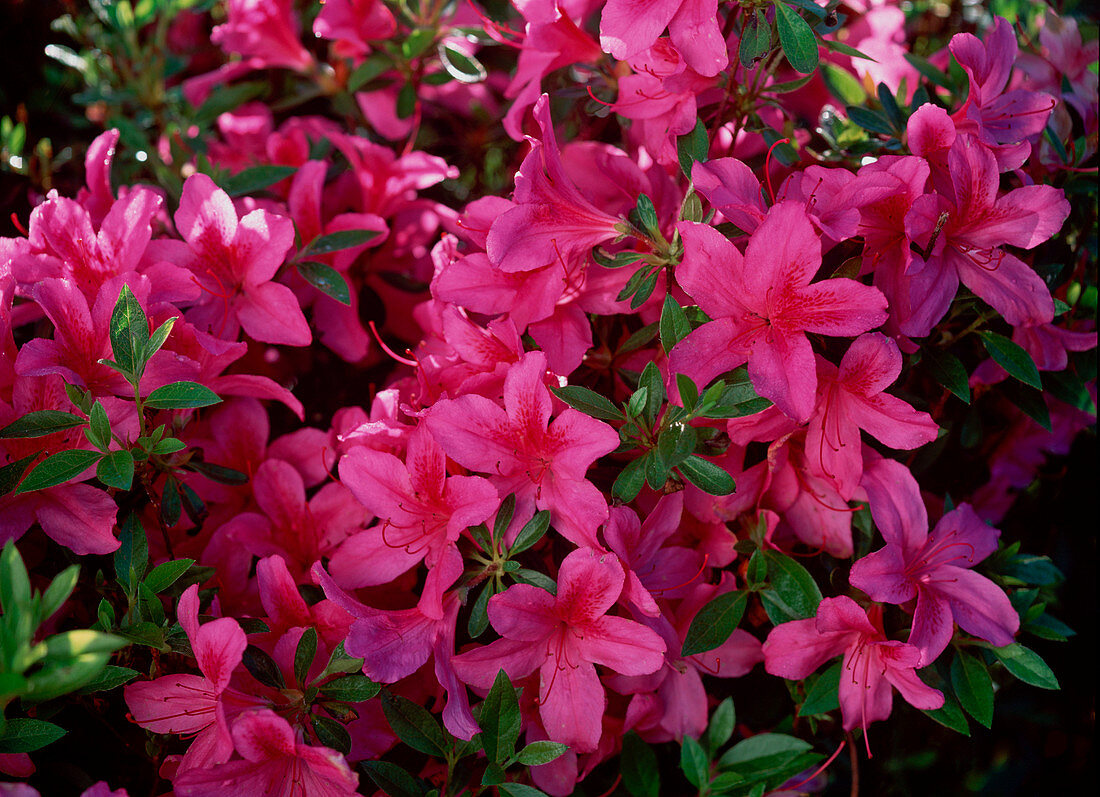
(932, 567)
(235, 260)
(563, 636)
(542, 462)
(873, 665)
(194, 704)
(966, 248)
(266, 32)
(627, 27)
(423, 513)
(762, 311)
(274, 762)
(852, 398)
(351, 23)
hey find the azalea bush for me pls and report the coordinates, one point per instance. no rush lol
(548, 397)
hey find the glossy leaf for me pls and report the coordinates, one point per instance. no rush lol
(973, 686)
(40, 424)
(796, 38)
(414, 725)
(326, 279)
(715, 622)
(58, 469)
(116, 469)
(181, 396)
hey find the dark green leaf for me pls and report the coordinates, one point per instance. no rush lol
(823, 696)
(132, 556)
(129, 333)
(797, 39)
(263, 668)
(721, 725)
(869, 120)
(1026, 665)
(692, 147)
(674, 325)
(654, 383)
(788, 85)
(1070, 388)
(756, 39)
(116, 470)
(589, 402)
(11, 473)
(339, 240)
(500, 720)
(793, 585)
(331, 733)
(406, 101)
(181, 396)
(165, 575)
(1029, 400)
(1012, 357)
(842, 84)
(40, 424)
(249, 181)
(630, 480)
(503, 518)
(112, 677)
(618, 260)
(303, 655)
(707, 476)
(25, 735)
(689, 393)
(367, 71)
(171, 505)
(350, 688)
(1037, 570)
(417, 42)
(59, 591)
(536, 579)
(532, 531)
(641, 776)
(99, 428)
(326, 279)
(414, 725)
(392, 779)
(479, 615)
(694, 763)
(890, 107)
(948, 370)
(218, 473)
(463, 68)
(973, 686)
(749, 753)
(226, 98)
(539, 753)
(647, 216)
(15, 585)
(341, 662)
(58, 469)
(494, 774)
(715, 622)
(846, 49)
(933, 74)
(169, 445)
(645, 290)
(634, 283)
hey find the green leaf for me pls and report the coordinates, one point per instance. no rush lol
(751, 752)
(417, 42)
(226, 98)
(40, 424)
(218, 473)
(1070, 388)
(331, 733)
(25, 735)
(630, 480)
(368, 71)
(500, 720)
(950, 715)
(796, 38)
(869, 120)
(478, 621)
(116, 470)
(973, 686)
(414, 725)
(647, 216)
(463, 68)
(59, 591)
(823, 696)
(503, 519)
(339, 240)
(112, 677)
(618, 260)
(129, 333)
(326, 279)
(132, 556)
(948, 370)
(694, 763)
(721, 725)
(58, 469)
(641, 776)
(181, 396)
(263, 668)
(15, 585)
(532, 531)
(707, 476)
(675, 444)
(715, 622)
(303, 655)
(1012, 357)
(1026, 665)
(693, 147)
(793, 585)
(392, 779)
(674, 325)
(787, 85)
(842, 84)
(249, 181)
(169, 445)
(165, 575)
(756, 39)
(11, 473)
(539, 753)
(689, 393)
(934, 75)
(589, 402)
(1029, 400)
(890, 107)
(846, 49)
(350, 688)
(341, 662)
(99, 429)
(536, 579)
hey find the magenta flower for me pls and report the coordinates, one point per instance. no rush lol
(423, 513)
(873, 665)
(933, 568)
(627, 27)
(562, 637)
(265, 32)
(234, 261)
(542, 462)
(351, 23)
(852, 398)
(763, 305)
(274, 762)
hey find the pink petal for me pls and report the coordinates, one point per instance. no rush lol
(523, 612)
(571, 699)
(711, 270)
(627, 647)
(270, 312)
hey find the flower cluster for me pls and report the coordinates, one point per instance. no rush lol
(631, 395)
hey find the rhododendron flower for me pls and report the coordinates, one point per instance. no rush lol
(352, 23)
(265, 32)
(563, 636)
(627, 27)
(542, 462)
(274, 761)
(873, 665)
(763, 305)
(932, 567)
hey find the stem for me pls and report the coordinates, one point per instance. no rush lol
(853, 756)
